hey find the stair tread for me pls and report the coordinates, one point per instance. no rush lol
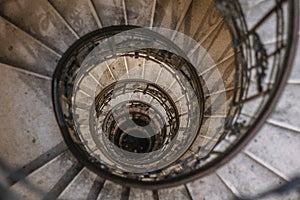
(30, 125)
(209, 187)
(79, 15)
(80, 187)
(254, 13)
(167, 13)
(135, 67)
(218, 43)
(248, 5)
(287, 110)
(141, 194)
(278, 148)
(111, 191)
(175, 193)
(218, 104)
(43, 23)
(213, 82)
(45, 177)
(194, 23)
(210, 131)
(19, 174)
(96, 188)
(110, 12)
(295, 73)
(19, 50)
(138, 12)
(246, 176)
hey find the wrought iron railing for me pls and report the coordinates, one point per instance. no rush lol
(259, 77)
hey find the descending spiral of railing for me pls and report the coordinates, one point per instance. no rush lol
(149, 131)
(155, 107)
(127, 117)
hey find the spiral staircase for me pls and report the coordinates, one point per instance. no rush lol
(153, 99)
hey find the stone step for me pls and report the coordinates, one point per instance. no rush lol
(253, 15)
(211, 129)
(220, 77)
(79, 16)
(111, 191)
(49, 178)
(272, 145)
(23, 51)
(141, 194)
(175, 193)
(249, 5)
(17, 175)
(245, 177)
(96, 188)
(80, 186)
(218, 103)
(218, 43)
(209, 187)
(44, 23)
(110, 12)
(140, 13)
(195, 23)
(30, 125)
(287, 110)
(295, 73)
(168, 13)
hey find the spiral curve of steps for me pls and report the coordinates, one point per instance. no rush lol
(34, 36)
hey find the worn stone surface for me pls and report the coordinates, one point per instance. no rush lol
(28, 127)
(111, 191)
(218, 43)
(44, 178)
(141, 194)
(288, 107)
(295, 73)
(209, 187)
(168, 13)
(80, 187)
(42, 22)
(278, 148)
(175, 193)
(79, 15)
(139, 12)
(195, 23)
(255, 10)
(110, 12)
(248, 177)
(246, 5)
(20, 50)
